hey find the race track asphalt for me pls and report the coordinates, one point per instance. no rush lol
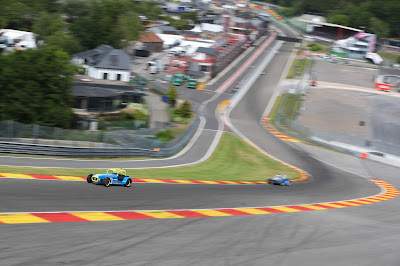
(363, 235)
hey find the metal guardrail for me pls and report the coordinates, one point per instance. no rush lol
(157, 148)
(289, 126)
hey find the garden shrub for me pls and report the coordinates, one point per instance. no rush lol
(165, 135)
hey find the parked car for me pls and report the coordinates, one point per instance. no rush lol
(191, 83)
(113, 176)
(165, 99)
(178, 79)
(281, 180)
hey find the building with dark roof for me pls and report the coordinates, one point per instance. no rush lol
(207, 50)
(151, 42)
(164, 30)
(105, 62)
(208, 19)
(96, 97)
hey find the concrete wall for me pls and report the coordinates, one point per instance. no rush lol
(98, 73)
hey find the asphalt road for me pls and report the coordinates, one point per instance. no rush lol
(364, 235)
(345, 74)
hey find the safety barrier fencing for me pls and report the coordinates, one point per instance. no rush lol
(134, 146)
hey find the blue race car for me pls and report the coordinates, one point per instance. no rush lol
(279, 180)
(113, 176)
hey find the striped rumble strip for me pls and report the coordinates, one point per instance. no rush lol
(388, 192)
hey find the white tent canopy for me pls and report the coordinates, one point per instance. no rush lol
(207, 27)
(170, 39)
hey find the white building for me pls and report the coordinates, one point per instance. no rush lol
(105, 62)
(17, 38)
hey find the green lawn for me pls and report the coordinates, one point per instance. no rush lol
(390, 56)
(301, 63)
(292, 103)
(233, 160)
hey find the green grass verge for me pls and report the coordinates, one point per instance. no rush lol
(233, 160)
(297, 62)
(292, 103)
(275, 109)
(390, 56)
(156, 91)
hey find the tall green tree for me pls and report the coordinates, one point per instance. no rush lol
(353, 13)
(75, 9)
(186, 109)
(111, 22)
(379, 27)
(189, 15)
(65, 41)
(128, 29)
(47, 24)
(340, 19)
(150, 9)
(50, 6)
(18, 15)
(35, 87)
(172, 95)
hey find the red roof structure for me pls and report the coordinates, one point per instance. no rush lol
(149, 36)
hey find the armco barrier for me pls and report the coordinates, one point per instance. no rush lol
(99, 152)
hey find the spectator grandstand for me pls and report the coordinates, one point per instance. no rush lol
(315, 27)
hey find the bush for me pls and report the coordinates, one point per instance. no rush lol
(186, 109)
(316, 47)
(172, 95)
(287, 11)
(165, 135)
(141, 116)
(127, 115)
(138, 111)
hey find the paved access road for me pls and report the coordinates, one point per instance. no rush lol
(364, 235)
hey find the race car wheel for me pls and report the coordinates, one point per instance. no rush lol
(128, 183)
(89, 178)
(107, 182)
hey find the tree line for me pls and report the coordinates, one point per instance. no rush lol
(77, 25)
(381, 17)
(36, 84)
(35, 87)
